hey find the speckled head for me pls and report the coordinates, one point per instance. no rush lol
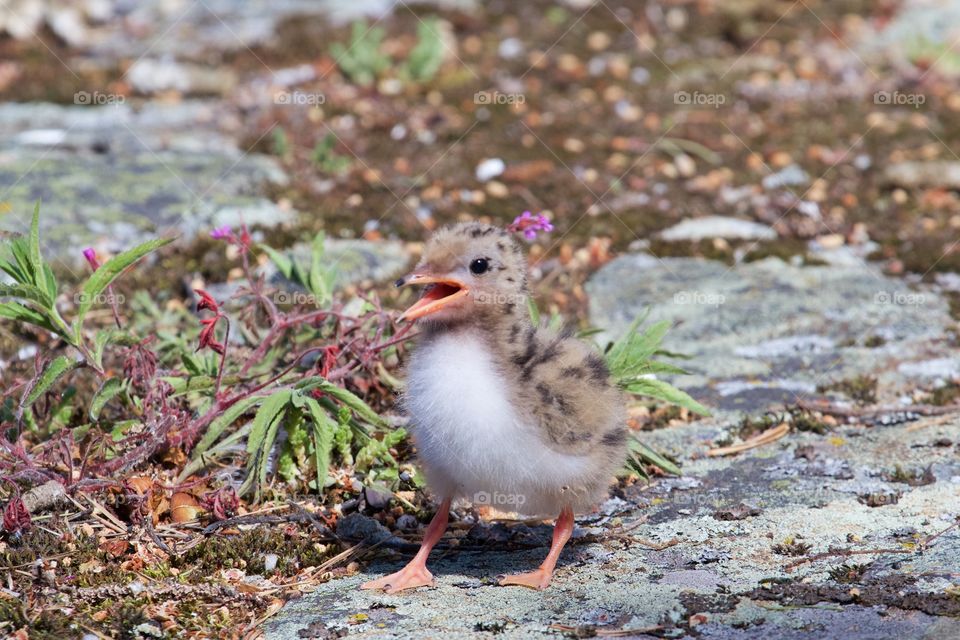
(471, 271)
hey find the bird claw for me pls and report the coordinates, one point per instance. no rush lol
(539, 579)
(409, 577)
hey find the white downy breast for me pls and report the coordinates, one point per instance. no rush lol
(469, 436)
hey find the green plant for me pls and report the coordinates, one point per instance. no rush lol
(632, 366)
(427, 55)
(281, 143)
(326, 158)
(362, 60)
(317, 278)
(31, 298)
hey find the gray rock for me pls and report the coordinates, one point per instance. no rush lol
(110, 29)
(926, 173)
(725, 570)
(791, 175)
(357, 261)
(92, 200)
(148, 75)
(113, 176)
(921, 30)
(767, 333)
(695, 229)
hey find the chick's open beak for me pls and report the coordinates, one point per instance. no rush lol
(439, 293)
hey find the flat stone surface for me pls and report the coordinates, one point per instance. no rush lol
(722, 577)
(114, 176)
(766, 333)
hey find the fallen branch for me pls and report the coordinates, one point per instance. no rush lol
(770, 435)
(609, 633)
(840, 553)
(657, 546)
(303, 516)
(843, 553)
(866, 412)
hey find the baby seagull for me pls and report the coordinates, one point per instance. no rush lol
(502, 412)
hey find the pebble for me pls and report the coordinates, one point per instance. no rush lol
(574, 145)
(790, 175)
(270, 562)
(489, 169)
(639, 75)
(497, 189)
(685, 165)
(510, 48)
(695, 229)
(598, 40)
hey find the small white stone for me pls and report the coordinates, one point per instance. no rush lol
(510, 48)
(270, 562)
(639, 75)
(695, 229)
(42, 137)
(489, 169)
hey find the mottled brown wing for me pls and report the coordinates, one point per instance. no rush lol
(566, 387)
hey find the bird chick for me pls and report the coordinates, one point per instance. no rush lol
(502, 412)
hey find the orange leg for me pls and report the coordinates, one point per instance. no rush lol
(415, 574)
(540, 579)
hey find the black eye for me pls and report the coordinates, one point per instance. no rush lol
(478, 266)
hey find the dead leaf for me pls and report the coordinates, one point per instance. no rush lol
(184, 507)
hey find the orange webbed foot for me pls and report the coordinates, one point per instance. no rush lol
(539, 579)
(410, 577)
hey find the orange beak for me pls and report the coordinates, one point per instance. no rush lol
(439, 293)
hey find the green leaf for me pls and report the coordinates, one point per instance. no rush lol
(60, 415)
(642, 454)
(109, 390)
(110, 271)
(224, 447)
(534, 312)
(36, 261)
(319, 277)
(107, 336)
(359, 407)
(628, 355)
(20, 247)
(268, 412)
(224, 420)
(668, 393)
(28, 292)
(20, 313)
(266, 424)
(324, 430)
(284, 264)
(54, 371)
